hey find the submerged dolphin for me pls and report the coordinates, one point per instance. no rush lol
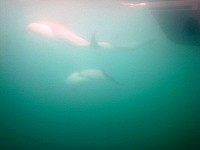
(88, 75)
(56, 31)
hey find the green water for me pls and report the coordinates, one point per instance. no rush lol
(155, 106)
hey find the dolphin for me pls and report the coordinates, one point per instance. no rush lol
(87, 75)
(57, 31)
(53, 30)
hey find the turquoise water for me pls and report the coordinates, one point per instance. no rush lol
(154, 106)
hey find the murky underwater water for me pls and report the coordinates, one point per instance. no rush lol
(155, 104)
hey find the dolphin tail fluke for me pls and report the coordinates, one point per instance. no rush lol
(111, 79)
(93, 41)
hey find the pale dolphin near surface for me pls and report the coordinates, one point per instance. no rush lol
(57, 31)
(60, 32)
(87, 75)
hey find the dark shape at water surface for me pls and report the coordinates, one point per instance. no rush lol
(184, 30)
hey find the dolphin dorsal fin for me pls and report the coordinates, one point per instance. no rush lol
(93, 41)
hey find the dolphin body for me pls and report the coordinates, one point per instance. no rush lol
(57, 31)
(87, 75)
